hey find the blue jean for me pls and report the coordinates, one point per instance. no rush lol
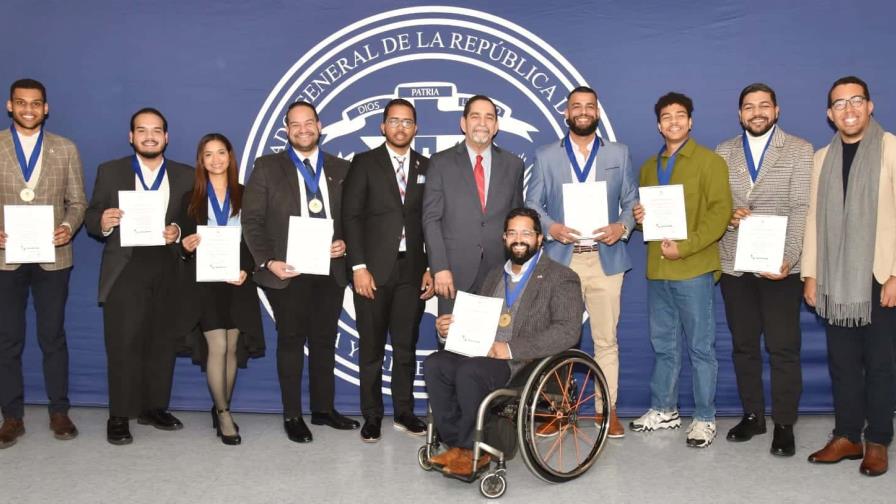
(686, 306)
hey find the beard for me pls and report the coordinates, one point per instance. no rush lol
(583, 131)
(768, 126)
(521, 257)
(150, 154)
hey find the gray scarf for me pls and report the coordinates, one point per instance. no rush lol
(846, 231)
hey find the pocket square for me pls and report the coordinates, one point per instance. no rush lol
(421, 179)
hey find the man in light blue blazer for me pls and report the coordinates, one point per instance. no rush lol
(598, 256)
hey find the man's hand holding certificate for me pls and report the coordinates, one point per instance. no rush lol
(142, 218)
(475, 323)
(760, 244)
(664, 213)
(29, 234)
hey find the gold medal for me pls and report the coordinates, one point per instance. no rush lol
(505, 320)
(27, 194)
(315, 205)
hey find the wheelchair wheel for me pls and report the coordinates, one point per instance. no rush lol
(423, 458)
(560, 427)
(493, 485)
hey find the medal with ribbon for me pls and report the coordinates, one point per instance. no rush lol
(581, 172)
(27, 166)
(221, 213)
(312, 182)
(748, 154)
(665, 176)
(157, 183)
(510, 296)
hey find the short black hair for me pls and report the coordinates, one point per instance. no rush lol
(475, 98)
(757, 87)
(153, 111)
(524, 212)
(28, 84)
(673, 98)
(849, 79)
(300, 104)
(402, 102)
(581, 89)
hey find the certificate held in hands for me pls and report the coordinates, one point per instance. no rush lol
(472, 332)
(760, 244)
(308, 245)
(218, 254)
(29, 234)
(664, 213)
(585, 207)
(143, 218)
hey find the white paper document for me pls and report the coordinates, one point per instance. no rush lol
(585, 207)
(29, 234)
(472, 332)
(760, 244)
(664, 213)
(143, 220)
(218, 253)
(308, 245)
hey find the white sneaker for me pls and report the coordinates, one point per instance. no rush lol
(701, 434)
(654, 419)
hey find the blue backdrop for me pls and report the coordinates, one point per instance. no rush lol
(232, 66)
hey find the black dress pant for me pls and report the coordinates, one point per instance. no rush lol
(50, 292)
(456, 386)
(396, 309)
(757, 307)
(139, 330)
(307, 309)
(860, 360)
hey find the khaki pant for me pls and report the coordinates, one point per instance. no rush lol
(602, 295)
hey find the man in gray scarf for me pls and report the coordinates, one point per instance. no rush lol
(849, 269)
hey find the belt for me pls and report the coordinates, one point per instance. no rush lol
(581, 249)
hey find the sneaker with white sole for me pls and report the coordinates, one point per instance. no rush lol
(701, 434)
(655, 419)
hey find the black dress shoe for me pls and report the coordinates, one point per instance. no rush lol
(160, 419)
(296, 430)
(408, 422)
(335, 420)
(748, 427)
(783, 444)
(118, 432)
(370, 433)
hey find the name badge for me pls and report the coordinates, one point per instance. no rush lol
(421, 179)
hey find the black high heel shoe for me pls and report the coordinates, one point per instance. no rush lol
(228, 440)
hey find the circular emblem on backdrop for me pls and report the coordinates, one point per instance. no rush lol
(436, 57)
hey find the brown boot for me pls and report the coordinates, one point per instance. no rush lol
(11, 430)
(837, 449)
(616, 429)
(62, 427)
(875, 461)
(463, 465)
(445, 458)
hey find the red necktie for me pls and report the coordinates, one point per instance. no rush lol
(479, 175)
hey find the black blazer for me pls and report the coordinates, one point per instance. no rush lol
(373, 214)
(118, 175)
(271, 197)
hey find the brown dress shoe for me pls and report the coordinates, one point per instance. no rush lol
(616, 429)
(463, 465)
(837, 449)
(62, 427)
(445, 458)
(875, 461)
(11, 430)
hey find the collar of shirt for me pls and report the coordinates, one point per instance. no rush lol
(150, 175)
(516, 277)
(392, 155)
(582, 159)
(757, 143)
(486, 157)
(311, 159)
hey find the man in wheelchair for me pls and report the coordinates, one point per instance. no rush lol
(541, 316)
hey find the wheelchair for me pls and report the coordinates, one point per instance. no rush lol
(557, 392)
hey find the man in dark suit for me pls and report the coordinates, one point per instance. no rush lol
(546, 320)
(300, 181)
(469, 190)
(37, 168)
(137, 284)
(381, 215)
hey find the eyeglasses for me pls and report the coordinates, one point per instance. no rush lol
(394, 122)
(514, 234)
(856, 102)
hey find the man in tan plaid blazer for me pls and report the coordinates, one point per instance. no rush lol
(37, 168)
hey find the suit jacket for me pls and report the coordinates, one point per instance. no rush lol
(612, 164)
(373, 213)
(885, 233)
(458, 234)
(782, 188)
(549, 318)
(118, 175)
(271, 197)
(61, 184)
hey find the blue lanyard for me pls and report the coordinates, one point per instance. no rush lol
(311, 181)
(158, 182)
(510, 297)
(665, 176)
(581, 173)
(221, 214)
(27, 166)
(754, 168)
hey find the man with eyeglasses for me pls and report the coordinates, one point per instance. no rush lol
(541, 316)
(598, 256)
(769, 172)
(381, 216)
(849, 274)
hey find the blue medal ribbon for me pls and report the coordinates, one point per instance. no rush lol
(665, 176)
(29, 165)
(510, 296)
(581, 173)
(221, 214)
(158, 182)
(754, 168)
(311, 181)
